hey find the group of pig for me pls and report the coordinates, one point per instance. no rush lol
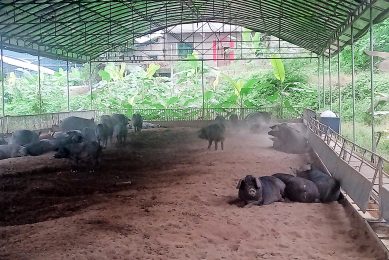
(307, 186)
(78, 139)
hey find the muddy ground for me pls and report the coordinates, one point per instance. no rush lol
(165, 196)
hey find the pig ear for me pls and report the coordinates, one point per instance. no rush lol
(239, 184)
(258, 183)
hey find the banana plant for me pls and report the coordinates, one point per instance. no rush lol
(241, 88)
(279, 74)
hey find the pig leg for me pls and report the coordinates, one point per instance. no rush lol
(215, 145)
(209, 144)
(222, 145)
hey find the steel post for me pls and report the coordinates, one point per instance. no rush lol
(2, 77)
(339, 89)
(39, 82)
(353, 79)
(329, 76)
(90, 84)
(324, 94)
(318, 83)
(202, 87)
(67, 81)
(373, 143)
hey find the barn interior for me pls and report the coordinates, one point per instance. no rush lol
(162, 194)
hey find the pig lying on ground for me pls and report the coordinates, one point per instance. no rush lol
(11, 151)
(289, 138)
(260, 191)
(329, 187)
(41, 147)
(299, 189)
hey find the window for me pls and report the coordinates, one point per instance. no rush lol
(184, 49)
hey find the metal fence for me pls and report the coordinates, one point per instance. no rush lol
(187, 114)
(367, 172)
(8, 124)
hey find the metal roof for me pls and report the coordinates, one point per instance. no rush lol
(84, 29)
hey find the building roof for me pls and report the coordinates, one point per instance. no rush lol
(83, 30)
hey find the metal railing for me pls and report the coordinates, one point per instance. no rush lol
(8, 124)
(361, 159)
(187, 114)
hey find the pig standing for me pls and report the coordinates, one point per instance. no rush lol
(76, 123)
(102, 133)
(87, 153)
(120, 133)
(137, 122)
(119, 119)
(108, 124)
(213, 133)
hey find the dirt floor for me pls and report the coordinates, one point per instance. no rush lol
(165, 196)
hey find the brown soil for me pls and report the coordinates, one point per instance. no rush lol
(181, 204)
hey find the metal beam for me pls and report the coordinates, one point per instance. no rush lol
(39, 83)
(90, 84)
(373, 143)
(207, 59)
(324, 94)
(329, 78)
(339, 92)
(353, 80)
(318, 84)
(2, 76)
(203, 87)
(67, 82)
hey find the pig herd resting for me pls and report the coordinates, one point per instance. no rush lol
(78, 139)
(308, 186)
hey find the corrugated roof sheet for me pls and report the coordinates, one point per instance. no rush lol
(85, 29)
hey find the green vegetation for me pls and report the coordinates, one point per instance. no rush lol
(283, 86)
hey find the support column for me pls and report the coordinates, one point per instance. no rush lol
(324, 94)
(2, 77)
(67, 81)
(318, 83)
(339, 89)
(39, 82)
(373, 144)
(329, 76)
(202, 87)
(90, 84)
(353, 78)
